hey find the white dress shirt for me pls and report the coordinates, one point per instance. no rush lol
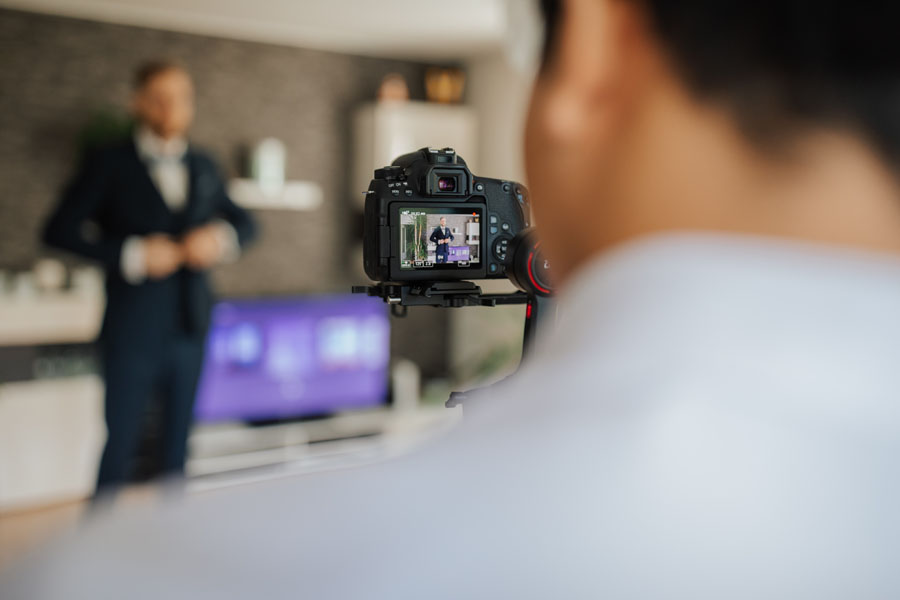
(165, 162)
(713, 417)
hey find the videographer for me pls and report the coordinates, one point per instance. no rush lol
(716, 414)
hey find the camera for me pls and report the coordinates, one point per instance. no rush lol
(428, 218)
(431, 225)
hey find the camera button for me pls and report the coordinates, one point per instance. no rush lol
(395, 192)
(493, 219)
(493, 268)
(505, 227)
(500, 247)
(494, 229)
(408, 192)
(505, 187)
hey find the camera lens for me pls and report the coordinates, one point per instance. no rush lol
(447, 184)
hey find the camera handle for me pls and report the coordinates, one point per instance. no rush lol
(537, 309)
(456, 294)
(526, 267)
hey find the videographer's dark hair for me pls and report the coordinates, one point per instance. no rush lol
(150, 69)
(786, 65)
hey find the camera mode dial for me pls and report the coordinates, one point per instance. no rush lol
(390, 173)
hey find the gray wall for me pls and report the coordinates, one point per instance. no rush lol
(55, 73)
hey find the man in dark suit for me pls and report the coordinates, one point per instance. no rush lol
(442, 236)
(154, 212)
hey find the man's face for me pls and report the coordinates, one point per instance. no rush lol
(166, 103)
(443, 222)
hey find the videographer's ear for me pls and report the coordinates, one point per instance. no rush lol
(591, 69)
(599, 64)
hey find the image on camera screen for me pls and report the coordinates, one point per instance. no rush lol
(439, 238)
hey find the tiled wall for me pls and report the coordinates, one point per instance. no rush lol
(55, 73)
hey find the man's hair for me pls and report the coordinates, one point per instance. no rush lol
(786, 65)
(151, 68)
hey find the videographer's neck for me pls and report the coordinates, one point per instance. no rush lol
(699, 173)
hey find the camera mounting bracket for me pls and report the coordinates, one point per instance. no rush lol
(455, 294)
(444, 294)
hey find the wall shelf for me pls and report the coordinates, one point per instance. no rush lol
(293, 195)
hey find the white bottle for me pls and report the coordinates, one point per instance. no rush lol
(268, 165)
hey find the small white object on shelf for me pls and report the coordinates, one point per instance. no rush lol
(292, 195)
(88, 281)
(268, 165)
(49, 274)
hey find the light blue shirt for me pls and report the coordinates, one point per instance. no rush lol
(713, 417)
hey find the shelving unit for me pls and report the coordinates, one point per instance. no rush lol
(385, 130)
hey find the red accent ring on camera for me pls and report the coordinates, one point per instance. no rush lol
(531, 272)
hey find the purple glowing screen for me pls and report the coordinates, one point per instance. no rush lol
(286, 358)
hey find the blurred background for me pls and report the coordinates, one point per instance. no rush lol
(298, 101)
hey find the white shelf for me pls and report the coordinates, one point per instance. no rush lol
(294, 195)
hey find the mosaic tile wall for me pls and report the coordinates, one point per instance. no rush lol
(57, 73)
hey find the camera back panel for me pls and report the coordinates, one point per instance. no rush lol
(428, 218)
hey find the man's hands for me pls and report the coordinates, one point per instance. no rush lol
(162, 255)
(200, 249)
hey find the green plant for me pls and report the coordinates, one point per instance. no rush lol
(103, 127)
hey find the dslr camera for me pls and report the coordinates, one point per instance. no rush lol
(428, 218)
(431, 225)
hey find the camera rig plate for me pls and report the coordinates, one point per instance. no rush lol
(456, 294)
(445, 294)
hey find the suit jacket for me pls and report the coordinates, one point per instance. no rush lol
(438, 234)
(114, 191)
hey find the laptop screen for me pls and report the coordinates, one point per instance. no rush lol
(289, 358)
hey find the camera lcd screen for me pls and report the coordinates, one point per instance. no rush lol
(440, 238)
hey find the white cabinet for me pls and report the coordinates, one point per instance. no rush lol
(385, 130)
(51, 436)
(473, 233)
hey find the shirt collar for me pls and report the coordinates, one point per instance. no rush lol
(154, 148)
(725, 285)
